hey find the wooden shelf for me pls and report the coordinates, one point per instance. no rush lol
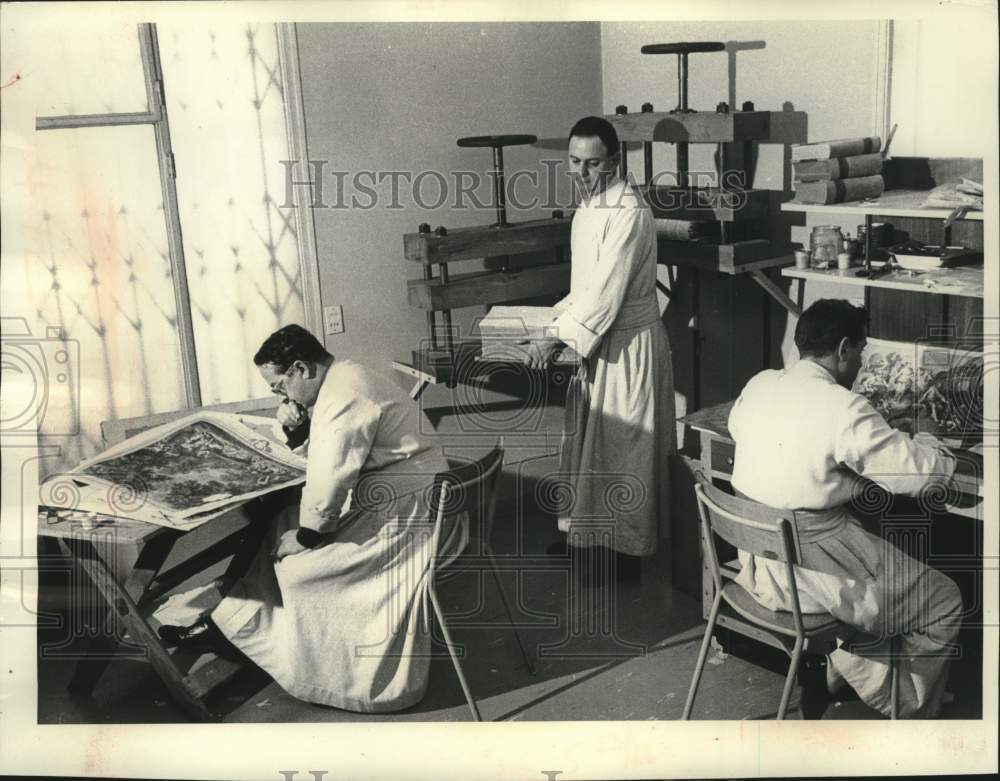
(893, 203)
(966, 281)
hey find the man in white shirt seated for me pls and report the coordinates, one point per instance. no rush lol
(805, 441)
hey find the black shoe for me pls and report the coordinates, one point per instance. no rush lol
(814, 697)
(202, 636)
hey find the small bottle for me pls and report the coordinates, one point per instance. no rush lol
(825, 242)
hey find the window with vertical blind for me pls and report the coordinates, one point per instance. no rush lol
(149, 235)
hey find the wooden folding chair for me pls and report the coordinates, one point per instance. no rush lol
(769, 533)
(457, 488)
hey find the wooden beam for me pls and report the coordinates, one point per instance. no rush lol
(488, 288)
(484, 241)
(710, 203)
(730, 258)
(776, 292)
(697, 127)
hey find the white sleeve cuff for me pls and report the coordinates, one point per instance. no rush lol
(576, 335)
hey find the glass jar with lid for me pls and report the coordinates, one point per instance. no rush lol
(825, 242)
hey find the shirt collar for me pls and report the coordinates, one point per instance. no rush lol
(809, 368)
(606, 196)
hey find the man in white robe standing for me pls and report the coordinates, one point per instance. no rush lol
(332, 608)
(620, 422)
(806, 442)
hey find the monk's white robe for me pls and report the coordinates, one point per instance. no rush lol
(619, 424)
(344, 624)
(802, 441)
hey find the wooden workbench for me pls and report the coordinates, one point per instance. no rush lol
(124, 561)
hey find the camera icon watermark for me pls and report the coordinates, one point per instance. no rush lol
(41, 381)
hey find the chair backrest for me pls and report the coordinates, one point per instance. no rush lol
(751, 527)
(116, 431)
(470, 488)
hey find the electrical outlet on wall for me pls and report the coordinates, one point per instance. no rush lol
(333, 319)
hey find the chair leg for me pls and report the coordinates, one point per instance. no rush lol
(894, 680)
(510, 614)
(793, 669)
(702, 656)
(454, 657)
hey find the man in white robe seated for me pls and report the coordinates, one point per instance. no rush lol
(805, 441)
(332, 607)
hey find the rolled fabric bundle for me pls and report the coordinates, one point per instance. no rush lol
(838, 168)
(954, 196)
(839, 190)
(684, 230)
(842, 147)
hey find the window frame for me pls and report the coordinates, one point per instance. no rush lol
(156, 116)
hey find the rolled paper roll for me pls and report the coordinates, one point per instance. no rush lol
(682, 230)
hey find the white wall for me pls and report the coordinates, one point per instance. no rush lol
(943, 93)
(385, 97)
(821, 67)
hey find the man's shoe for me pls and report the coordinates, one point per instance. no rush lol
(814, 697)
(202, 636)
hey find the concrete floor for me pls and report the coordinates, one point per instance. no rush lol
(623, 653)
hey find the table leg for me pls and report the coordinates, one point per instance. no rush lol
(776, 292)
(707, 582)
(119, 599)
(249, 547)
(418, 389)
(96, 653)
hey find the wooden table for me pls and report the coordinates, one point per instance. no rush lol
(124, 560)
(465, 365)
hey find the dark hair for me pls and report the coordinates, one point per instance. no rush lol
(588, 127)
(825, 323)
(289, 344)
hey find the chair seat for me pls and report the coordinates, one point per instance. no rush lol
(782, 621)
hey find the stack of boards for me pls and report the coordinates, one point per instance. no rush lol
(848, 169)
(505, 327)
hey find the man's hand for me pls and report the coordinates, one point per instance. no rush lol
(287, 546)
(541, 352)
(291, 415)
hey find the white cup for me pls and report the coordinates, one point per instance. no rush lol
(802, 258)
(843, 260)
